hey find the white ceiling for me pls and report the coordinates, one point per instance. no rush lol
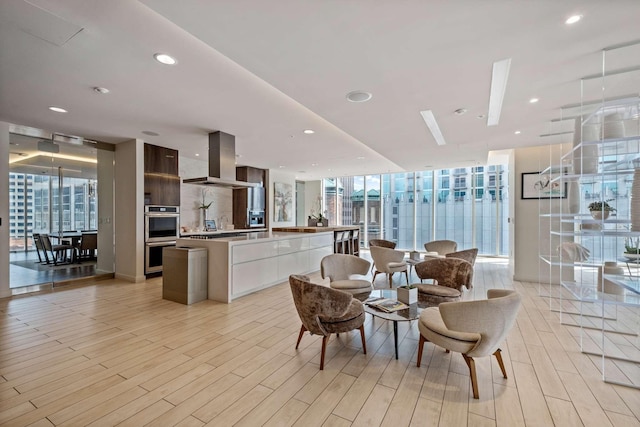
(266, 70)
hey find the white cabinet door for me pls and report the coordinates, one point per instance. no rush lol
(295, 263)
(320, 241)
(316, 255)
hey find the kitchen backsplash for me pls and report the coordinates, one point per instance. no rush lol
(191, 197)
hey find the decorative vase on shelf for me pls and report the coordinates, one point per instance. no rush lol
(607, 286)
(600, 215)
(585, 158)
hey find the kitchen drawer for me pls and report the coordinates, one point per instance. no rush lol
(294, 263)
(254, 275)
(293, 245)
(254, 251)
(320, 241)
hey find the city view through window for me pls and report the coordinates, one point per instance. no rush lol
(468, 205)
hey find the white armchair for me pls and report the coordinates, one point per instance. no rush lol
(472, 328)
(388, 261)
(346, 272)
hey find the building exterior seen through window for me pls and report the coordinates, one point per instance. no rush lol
(468, 205)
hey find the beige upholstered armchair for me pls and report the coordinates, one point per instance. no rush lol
(388, 261)
(325, 311)
(381, 242)
(468, 255)
(345, 272)
(450, 276)
(441, 247)
(472, 328)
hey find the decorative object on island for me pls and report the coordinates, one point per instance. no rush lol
(283, 201)
(601, 210)
(317, 219)
(408, 294)
(204, 208)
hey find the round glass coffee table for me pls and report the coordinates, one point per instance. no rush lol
(405, 315)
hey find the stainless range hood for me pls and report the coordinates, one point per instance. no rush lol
(222, 163)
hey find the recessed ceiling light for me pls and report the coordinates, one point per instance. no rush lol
(101, 90)
(280, 167)
(480, 116)
(314, 164)
(58, 109)
(150, 133)
(460, 111)
(360, 158)
(499, 78)
(197, 155)
(432, 124)
(573, 19)
(309, 131)
(517, 132)
(533, 100)
(359, 96)
(165, 59)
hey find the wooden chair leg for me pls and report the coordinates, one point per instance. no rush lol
(498, 356)
(302, 329)
(364, 343)
(472, 371)
(374, 276)
(406, 275)
(324, 348)
(390, 279)
(420, 346)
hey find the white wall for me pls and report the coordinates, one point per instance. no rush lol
(531, 231)
(4, 210)
(279, 176)
(129, 210)
(191, 196)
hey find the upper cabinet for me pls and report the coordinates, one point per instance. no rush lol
(160, 160)
(161, 180)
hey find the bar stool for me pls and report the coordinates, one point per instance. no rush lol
(341, 242)
(354, 243)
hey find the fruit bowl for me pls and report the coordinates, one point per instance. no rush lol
(631, 256)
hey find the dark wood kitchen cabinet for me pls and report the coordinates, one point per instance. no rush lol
(161, 180)
(250, 174)
(160, 160)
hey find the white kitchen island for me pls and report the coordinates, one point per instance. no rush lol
(244, 264)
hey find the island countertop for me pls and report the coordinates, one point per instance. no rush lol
(242, 264)
(301, 229)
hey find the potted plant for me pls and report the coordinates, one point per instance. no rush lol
(601, 210)
(204, 207)
(632, 247)
(408, 294)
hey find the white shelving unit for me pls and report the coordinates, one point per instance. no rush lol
(600, 167)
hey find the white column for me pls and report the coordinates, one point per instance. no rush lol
(4, 210)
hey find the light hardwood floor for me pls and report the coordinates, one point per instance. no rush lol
(116, 353)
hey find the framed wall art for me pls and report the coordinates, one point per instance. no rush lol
(541, 186)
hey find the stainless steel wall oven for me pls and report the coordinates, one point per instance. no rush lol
(161, 229)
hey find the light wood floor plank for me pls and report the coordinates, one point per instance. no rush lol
(115, 352)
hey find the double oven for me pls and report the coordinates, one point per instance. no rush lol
(161, 230)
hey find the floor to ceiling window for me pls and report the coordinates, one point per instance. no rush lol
(468, 205)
